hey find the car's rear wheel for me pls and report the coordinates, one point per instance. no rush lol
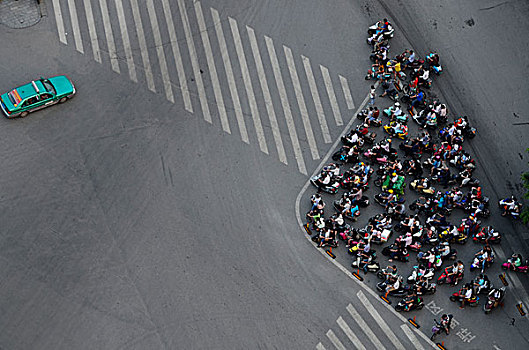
(24, 114)
(62, 100)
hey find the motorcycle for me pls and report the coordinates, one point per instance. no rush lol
(480, 263)
(511, 207)
(401, 256)
(394, 130)
(376, 28)
(493, 301)
(417, 185)
(372, 266)
(487, 235)
(404, 306)
(425, 273)
(445, 278)
(344, 155)
(473, 301)
(508, 265)
(331, 188)
(401, 292)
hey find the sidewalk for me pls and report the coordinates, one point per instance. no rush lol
(19, 13)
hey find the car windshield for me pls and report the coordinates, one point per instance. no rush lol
(48, 86)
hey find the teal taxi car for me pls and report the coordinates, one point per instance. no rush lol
(36, 95)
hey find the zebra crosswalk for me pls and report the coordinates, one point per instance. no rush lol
(253, 87)
(364, 328)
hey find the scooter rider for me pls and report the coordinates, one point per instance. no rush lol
(395, 286)
(480, 283)
(465, 295)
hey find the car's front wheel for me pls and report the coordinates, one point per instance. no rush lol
(23, 114)
(62, 100)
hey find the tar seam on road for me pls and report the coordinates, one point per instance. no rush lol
(322, 251)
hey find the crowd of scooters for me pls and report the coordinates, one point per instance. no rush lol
(433, 159)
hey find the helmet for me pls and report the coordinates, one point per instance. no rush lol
(390, 191)
(397, 104)
(394, 174)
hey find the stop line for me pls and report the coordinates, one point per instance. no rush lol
(150, 40)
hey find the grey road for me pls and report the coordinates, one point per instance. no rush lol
(156, 209)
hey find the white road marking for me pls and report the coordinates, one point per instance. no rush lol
(334, 340)
(75, 26)
(194, 62)
(59, 21)
(143, 45)
(316, 99)
(267, 97)
(332, 96)
(229, 75)
(212, 69)
(92, 30)
(376, 316)
(248, 85)
(286, 106)
(320, 347)
(350, 334)
(178, 58)
(347, 93)
(126, 41)
(364, 326)
(114, 62)
(413, 339)
(160, 51)
(301, 103)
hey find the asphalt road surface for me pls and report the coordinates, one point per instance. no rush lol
(156, 209)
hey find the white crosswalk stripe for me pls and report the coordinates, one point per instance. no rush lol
(332, 96)
(364, 327)
(320, 346)
(267, 97)
(350, 334)
(380, 321)
(334, 340)
(114, 62)
(286, 105)
(134, 41)
(94, 42)
(347, 92)
(143, 45)
(126, 41)
(248, 85)
(59, 21)
(194, 62)
(212, 69)
(316, 98)
(413, 339)
(75, 26)
(160, 51)
(178, 58)
(301, 103)
(229, 75)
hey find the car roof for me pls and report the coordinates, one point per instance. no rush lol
(29, 90)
